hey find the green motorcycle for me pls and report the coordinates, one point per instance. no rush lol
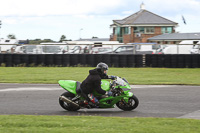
(121, 97)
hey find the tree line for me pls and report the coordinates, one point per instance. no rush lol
(38, 41)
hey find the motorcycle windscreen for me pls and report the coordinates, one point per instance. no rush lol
(69, 85)
(105, 85)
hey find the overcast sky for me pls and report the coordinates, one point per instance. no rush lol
(49, 19)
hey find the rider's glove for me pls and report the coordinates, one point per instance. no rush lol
(113, 77)
(109, 93)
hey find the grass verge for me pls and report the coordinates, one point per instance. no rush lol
(91, 124)
(147, 76)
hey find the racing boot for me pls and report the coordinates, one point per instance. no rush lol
(93, 100)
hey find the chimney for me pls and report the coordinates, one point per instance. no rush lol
(142, 6)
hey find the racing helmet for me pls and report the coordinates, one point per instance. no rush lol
(101, 67)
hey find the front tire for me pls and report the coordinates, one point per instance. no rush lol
(68, 106)
(133, 102)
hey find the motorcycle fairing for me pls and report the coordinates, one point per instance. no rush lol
(113, 100)
(69, 85)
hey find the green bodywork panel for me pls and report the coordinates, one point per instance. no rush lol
(114, 100)
(69, 85)
(105, 85)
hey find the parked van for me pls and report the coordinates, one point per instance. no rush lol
(175, 49)
(50, 49)
(195, 49)
(7, 48)
(25, 49)
(195, 45)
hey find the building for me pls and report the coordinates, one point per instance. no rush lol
(174, 38)
(140, 26)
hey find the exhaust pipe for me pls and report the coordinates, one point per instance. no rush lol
(64, 99)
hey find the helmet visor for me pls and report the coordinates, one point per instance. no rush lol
(105, 72)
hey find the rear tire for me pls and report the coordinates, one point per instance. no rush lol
(68, 106)
(133, 102)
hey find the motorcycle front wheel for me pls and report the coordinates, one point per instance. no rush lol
(68, 106)
(133, 102)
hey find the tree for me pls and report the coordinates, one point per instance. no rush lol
(62, 38)
(38, 41)
(11, 36)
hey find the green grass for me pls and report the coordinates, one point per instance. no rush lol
(91, 124)
(186, 76)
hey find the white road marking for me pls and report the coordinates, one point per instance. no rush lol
(193, 115)
(30, 89)
(151, 86)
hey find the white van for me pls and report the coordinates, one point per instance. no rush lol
(195, 49)
(50, 49)
(195, 45)
(7, 48)
(176, 49)
(25, 49)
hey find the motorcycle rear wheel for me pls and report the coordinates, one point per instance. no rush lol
(68, 106)
(133, 102)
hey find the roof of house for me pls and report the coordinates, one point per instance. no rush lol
(177, 36)
(144, 17)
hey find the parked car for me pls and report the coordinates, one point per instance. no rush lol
(75, 50)
(126, 49)
(101, 50)
(159, 51)
(147, 48)
(137, 48)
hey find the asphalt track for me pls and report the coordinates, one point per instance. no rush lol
(155, 101)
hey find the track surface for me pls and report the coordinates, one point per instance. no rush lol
(155, 101)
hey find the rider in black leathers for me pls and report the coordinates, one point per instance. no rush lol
(93, 82)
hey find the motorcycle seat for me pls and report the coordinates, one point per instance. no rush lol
(78, 87)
